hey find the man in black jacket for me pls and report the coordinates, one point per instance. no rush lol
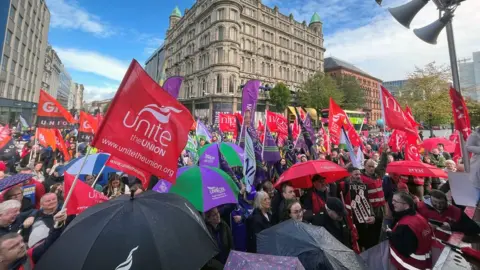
(333, 220)
(278, 201)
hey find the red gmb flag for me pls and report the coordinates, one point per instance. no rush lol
(397, 140)
(277, 123)
(83, 196)
(60, 143)
(46, 137)
(336, 119)
(460, 114)
(51, 114)
(395, 118)
(88, 125)
(227, 122)
(145, 126)
(118, 164)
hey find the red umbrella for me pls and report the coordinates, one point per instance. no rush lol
(415, 168)
(300, 174)
(431, 143)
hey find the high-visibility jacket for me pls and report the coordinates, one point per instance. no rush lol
(450, 215)
(375, 194)
(421, 258)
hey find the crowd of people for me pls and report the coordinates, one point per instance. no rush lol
(389, 206)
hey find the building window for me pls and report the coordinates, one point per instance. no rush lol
(20, 21)
(10, 91)
(231, 85)
(233, 33)
(13, 66)
(13, 11)
(219, 83)
(204, 86)
(8, 39)
(221, 14)
(16, 94)
(22, 97)
(221, 32)
(5, 63)
(220, 55)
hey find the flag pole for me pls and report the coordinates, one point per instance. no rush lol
(383, 114)
(34, 146)
(264, 133)
(98, 176)
(70, 192)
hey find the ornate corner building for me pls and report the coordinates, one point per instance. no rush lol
(218, 45)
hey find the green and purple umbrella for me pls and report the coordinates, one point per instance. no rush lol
(205, 187)
(210, 154)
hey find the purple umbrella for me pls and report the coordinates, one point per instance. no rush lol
(14, 180)
(242, 261)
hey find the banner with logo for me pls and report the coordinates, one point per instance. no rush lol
(395, 118)
(172, 85)
(271, 153)
(411, 148)
(227, 122)
(249, 167)
(29, 193)
(118, 164)
(82, 197)
(461, 118)
(145, 126)
(61, 145)
(397, 140)
(249, 101)
(87, 127)
(336, 118)
(277, 123)
(50, 114)
(46, 138)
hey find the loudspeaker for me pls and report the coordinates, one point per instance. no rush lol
(430, 32)
(404, 14)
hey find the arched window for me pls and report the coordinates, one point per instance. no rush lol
(248, 45)
(221, 32)
(219, 83)
(233, 33)
(231, 85)
(242, 44)
(220, 55)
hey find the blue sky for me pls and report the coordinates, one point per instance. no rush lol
(97, 39)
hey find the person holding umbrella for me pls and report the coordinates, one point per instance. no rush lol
(333, 220)
(411, 237)
(314, 200)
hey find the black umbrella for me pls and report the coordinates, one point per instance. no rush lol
(150, 231)
(314, 246)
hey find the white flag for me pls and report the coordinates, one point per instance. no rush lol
(249, 167)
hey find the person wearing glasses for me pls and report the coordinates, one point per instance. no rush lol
(293, 210)
(411, 237)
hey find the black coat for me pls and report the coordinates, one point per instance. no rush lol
(256, 223)
(337, 229)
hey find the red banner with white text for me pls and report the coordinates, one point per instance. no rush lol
(227, 122)
(395, 117)
(461, 118)
(277, 123)
(82, 197)
(51, 114)
(145, 126)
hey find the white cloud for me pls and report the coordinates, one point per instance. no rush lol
(388, 51)
(93, 62)
(69, 15)
(95, 92)
(152, 44)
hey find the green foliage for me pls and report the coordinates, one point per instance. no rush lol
(317, 90)
(354, 95)
(426, 92)
(473, 111)
(105, 108)
(280, 97)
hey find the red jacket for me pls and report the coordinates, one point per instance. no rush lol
(421, 258)
(451, 215)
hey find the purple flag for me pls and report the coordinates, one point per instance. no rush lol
(172, 85)
(249, 101)
(309, 127)
(271, 153)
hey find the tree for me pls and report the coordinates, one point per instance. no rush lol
(280, 97)
(473, 107)
(354, 95)
(317, 90)
(426, 92)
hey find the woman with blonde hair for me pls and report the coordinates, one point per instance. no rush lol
(115, 187)
(260, 219)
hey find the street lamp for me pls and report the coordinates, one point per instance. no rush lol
(404, 14)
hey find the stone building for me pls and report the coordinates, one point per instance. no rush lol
(79, 96)
(218, 45)
(337, 68)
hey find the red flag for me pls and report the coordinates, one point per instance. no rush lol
(46, 138)
(277, 123)
(326, 140)
(411, 148)
(87, 128)
(397, 140)
(457, 154)
(352, 134)
(295, 129)
(123, 166)
(4, 135)
(82, 197)
(302, 113)
(61, 145)
(50, 114)
(145, 126)
(395, 118)
(227, 122)
(460, 113)
(409, 115)
(336, 119)
(261, 130)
